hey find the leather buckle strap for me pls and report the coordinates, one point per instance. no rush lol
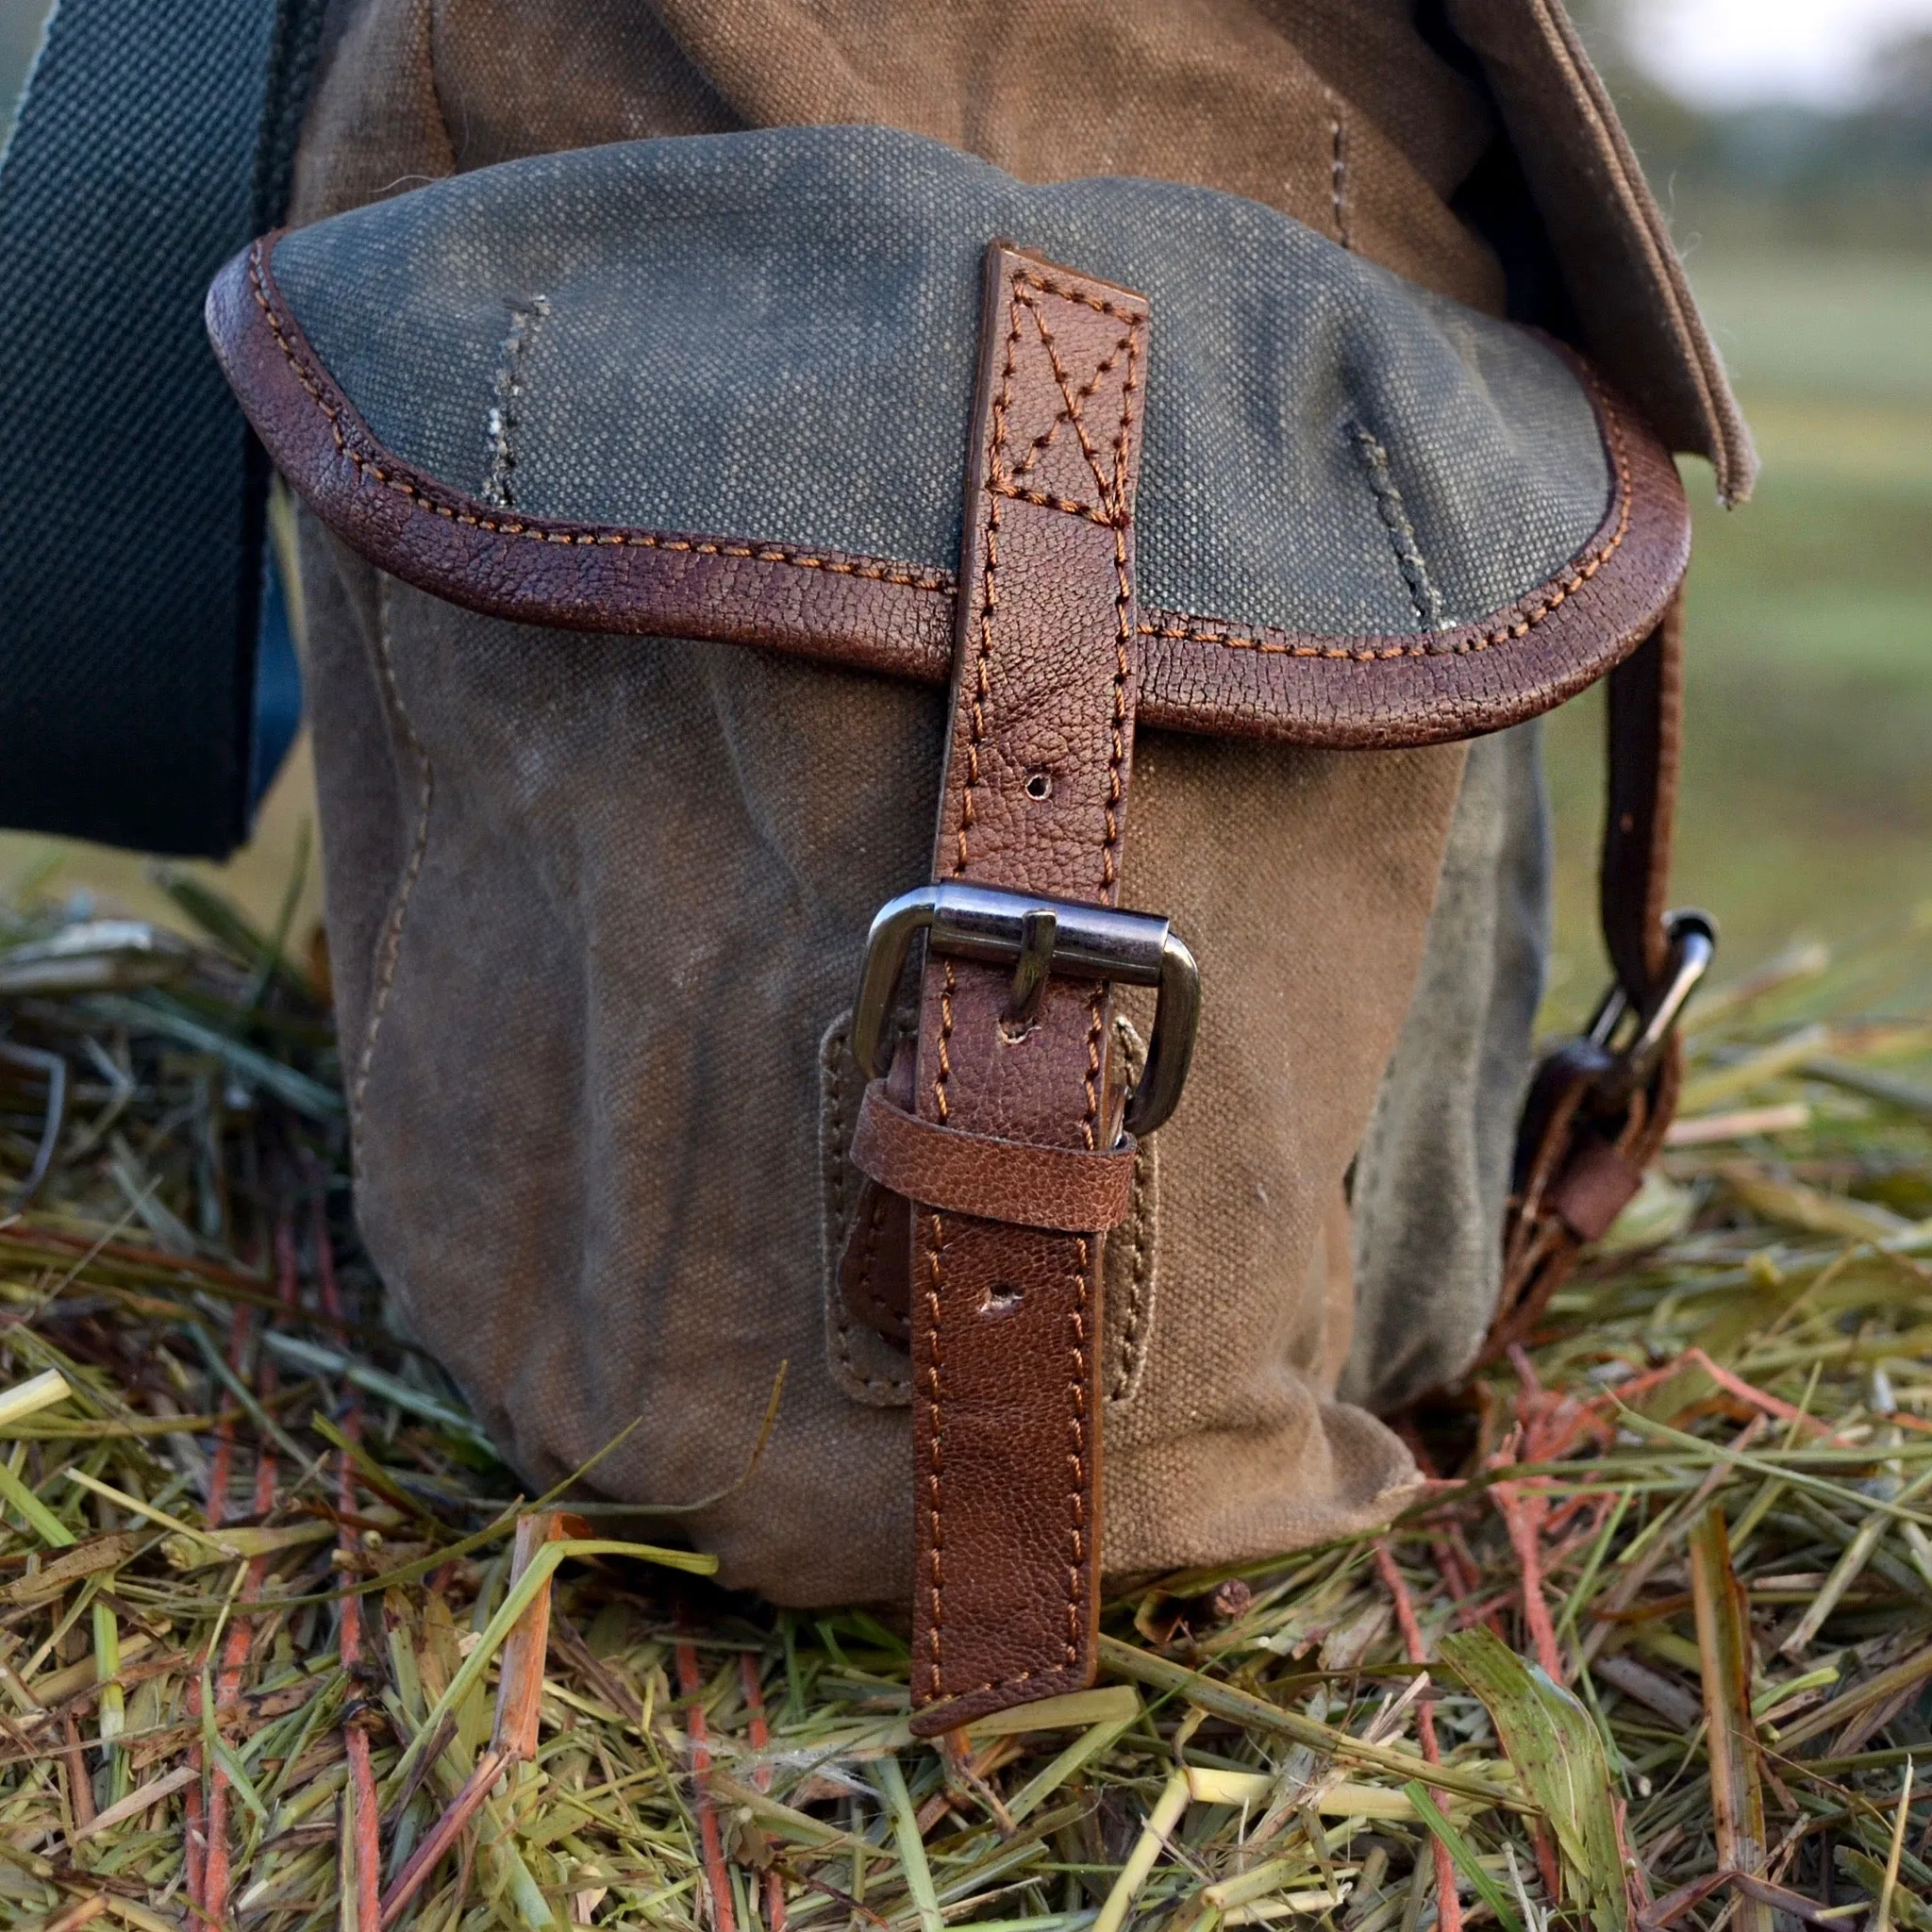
(1015, 1040)
(1062, 1188)
(1038, 936)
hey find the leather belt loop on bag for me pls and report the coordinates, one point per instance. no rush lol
(1599, 1105)
(1015, 1040)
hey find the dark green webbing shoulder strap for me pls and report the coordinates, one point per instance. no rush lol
(155, 138)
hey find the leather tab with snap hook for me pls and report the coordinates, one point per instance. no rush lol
(1599, 1105)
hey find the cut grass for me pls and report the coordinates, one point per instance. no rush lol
(256, 1604)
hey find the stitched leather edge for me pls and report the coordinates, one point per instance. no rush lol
(1199, 672)
(879, 1381)
(1131, 1285)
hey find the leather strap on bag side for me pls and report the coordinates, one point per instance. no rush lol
(1645, 729)
(1005, 1319)
(1579, 1160)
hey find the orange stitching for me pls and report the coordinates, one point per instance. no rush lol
(1238, 637)
(1077, 1457)
(1047, 286)
(945, 1070)
(934, 1601)
(1186, 629)
(1092, 1118)
(868, 570)
(1073, 412)
(1043, 441)
(1071, 506)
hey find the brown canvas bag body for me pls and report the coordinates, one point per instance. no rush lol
(719, 536)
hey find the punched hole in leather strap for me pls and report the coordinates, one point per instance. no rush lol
(1005, 1312)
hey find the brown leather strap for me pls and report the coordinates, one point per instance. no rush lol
(1583, 1142)
(1647, 710)
(1005, 1319)
(1063, 1187)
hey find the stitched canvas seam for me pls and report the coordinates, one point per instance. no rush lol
(504, 417)
(390, 951)
(1338, 171)
(874, 1223)
(1424, 599)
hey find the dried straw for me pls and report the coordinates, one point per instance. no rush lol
(279, 1648)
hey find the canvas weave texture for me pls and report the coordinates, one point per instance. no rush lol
(595, 902)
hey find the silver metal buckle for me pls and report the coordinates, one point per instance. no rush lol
(1039, 937)
(1692, 937)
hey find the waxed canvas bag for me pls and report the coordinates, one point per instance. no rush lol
(884, 717)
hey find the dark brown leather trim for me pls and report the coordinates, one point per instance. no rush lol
(1197, 672)
(1031, 1186)
(857, 611)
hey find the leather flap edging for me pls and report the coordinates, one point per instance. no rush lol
(1201, 671)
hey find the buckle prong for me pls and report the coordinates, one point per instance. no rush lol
(1038, 931)
(1039, 937)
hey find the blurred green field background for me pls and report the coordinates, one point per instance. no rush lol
(1807, 810)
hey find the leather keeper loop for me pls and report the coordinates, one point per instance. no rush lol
(1064, 1189)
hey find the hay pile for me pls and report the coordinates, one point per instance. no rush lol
(279, 1645)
